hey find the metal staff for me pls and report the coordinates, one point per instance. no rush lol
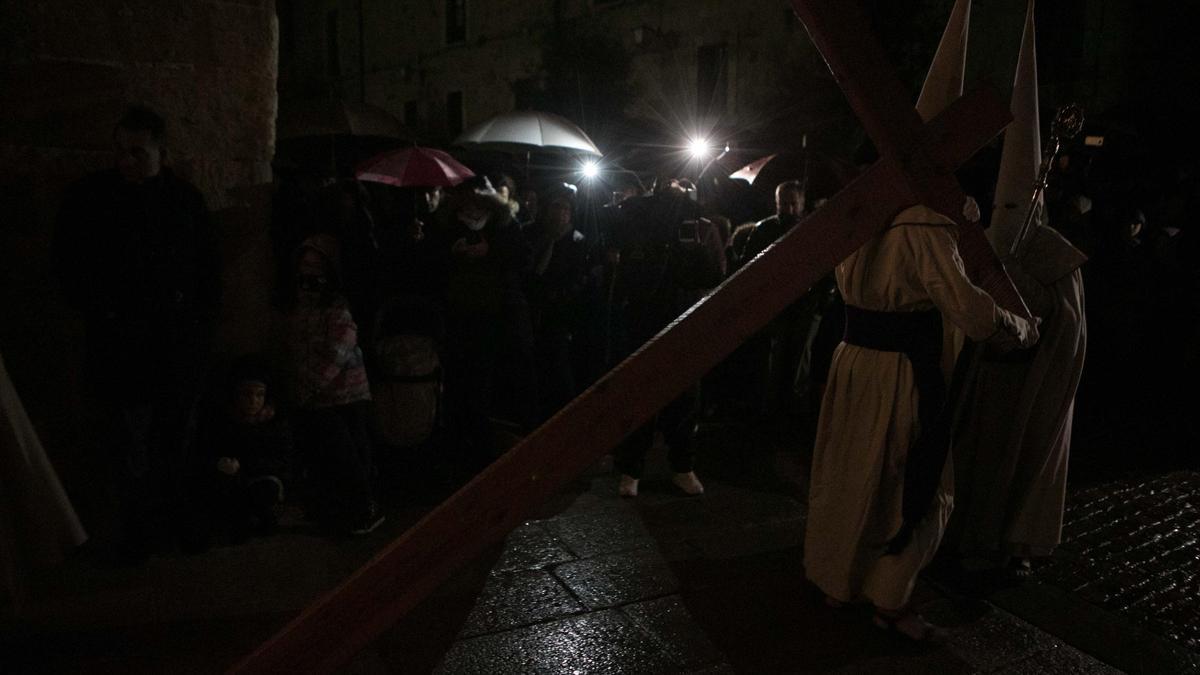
(1067, 123)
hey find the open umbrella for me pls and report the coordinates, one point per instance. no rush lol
(329, 137)
(821, 174)
(749, 172)
(324, 117)
(526, 131)
(413, 167)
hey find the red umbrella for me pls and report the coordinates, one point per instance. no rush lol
(749, 172)
(413, 167)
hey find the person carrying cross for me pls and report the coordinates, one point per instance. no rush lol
(882, 412)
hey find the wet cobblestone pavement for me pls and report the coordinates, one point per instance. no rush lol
(671, 584)
(664, 583)
(1133, 547)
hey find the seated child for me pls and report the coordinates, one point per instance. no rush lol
(249, 449)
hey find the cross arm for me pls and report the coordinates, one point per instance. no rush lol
(842, 33)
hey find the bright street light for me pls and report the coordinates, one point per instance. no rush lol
(590, 169)
(699, 148)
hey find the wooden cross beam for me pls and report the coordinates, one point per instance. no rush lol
(334, 628)
(858, 62)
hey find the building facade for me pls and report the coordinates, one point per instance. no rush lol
(443, 65)
(685, 66)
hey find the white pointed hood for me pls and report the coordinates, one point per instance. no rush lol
(1022, 155)
(944, 83)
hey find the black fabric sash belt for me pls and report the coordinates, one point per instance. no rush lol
(917, 335)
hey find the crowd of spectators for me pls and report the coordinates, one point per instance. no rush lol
(426, 329)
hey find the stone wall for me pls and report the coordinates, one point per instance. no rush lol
(68, 69)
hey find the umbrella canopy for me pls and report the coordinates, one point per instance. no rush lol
(328, 137)
(749, 172)
(528, 130)
(822, 175)
(413, 167)
(324, 117)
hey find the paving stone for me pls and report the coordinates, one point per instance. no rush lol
(1107, 636)
(596, 644)
(667, 620)
(737, 542)
(519, 599)
(1132, 547)
(611, 580)
(719, 669)
(531, 547)
(952, 613)
(997, 640)
(914, 661)
(761, 508)
(1061, 660)
(601, 531)
(680, 519)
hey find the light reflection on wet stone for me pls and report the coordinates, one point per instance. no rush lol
(1134, 547)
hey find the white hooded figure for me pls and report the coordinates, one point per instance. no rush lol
(1012, 450)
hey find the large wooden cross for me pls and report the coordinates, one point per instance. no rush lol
(916, 166)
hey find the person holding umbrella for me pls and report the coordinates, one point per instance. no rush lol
(489, 349)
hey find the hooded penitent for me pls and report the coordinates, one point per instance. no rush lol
(943, 85)
(944, 82)
(1021, 157)
(1014, 445)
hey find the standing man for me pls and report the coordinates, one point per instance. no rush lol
(667, 257)
(789, 337)
(135, 256)
(558, 288)
(789, 207)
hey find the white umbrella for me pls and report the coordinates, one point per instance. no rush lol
(528, 130)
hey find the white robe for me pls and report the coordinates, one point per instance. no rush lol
(1011, 455)
(37, 523)
(869, 416)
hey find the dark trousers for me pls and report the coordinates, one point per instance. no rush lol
(471, 354)
(556, 369)
(677, 422)
(335, 444)
(149, 443)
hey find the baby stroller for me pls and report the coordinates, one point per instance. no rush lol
(407, 379)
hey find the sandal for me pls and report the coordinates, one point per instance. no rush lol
(910, 626)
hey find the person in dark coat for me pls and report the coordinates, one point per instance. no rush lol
(558, 293)
(786, 344)
(489, 334)
(667, 257)
(135, 255)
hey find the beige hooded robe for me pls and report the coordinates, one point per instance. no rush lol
(1011, 454)
(869, 417)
